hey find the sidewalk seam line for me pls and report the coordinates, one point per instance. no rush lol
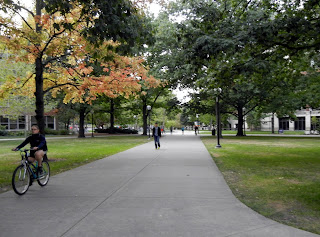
(253, 229)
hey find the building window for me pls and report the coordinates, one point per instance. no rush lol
(315, 126)
(33, 120)
(300, 123)
(50, 122)
(22, 122)
(13, 124)
(283, 123)
(4, 122)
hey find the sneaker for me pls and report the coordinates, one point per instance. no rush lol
(31, 180)
(40, 171)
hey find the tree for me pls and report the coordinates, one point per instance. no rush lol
(236, 46)
(14, 106)
(123, 76)
(66, 114)
(21, 104)
(48, 38)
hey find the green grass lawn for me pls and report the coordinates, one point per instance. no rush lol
(278, 177)
(66, 154)
(255, 132)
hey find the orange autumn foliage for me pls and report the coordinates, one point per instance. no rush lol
(69, 58)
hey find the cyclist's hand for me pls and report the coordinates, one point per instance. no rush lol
(14, 149)
(34, 148)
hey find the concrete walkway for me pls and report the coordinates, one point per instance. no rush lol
(175, 191)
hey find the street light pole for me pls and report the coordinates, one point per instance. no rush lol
(244, 122)
(149, 110)
(135, 120)
(218, 90)
(197, 124)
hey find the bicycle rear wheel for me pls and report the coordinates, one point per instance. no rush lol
(44, 178)
(21, 180)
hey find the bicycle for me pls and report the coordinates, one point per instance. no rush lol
(26, 173)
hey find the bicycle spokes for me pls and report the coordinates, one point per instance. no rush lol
(21, 180)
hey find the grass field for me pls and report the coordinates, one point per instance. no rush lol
(66, 154)
(276, 176)
(254, 132)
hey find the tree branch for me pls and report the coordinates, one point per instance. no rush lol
(60, 85)
(24, 20)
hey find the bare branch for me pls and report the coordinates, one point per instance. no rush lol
(60, 85)
(27, 80)
(23, 19)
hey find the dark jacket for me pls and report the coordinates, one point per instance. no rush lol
(154, 130)
(35, 140)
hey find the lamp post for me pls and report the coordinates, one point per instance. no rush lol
(197, 122)
(310, 109)
(244, 121)
(92, 122)
(135, 120)
(218, 91)
(149, 110)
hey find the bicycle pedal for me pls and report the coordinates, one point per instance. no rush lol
(41, 176)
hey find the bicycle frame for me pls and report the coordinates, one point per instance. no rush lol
(27, 164)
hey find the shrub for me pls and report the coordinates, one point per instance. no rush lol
(117, 130)
(130, 131)
(56, 132)
(18, 133)
(64, 132)
(49, 131)
(3, 131)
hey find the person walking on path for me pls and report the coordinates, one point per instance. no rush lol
(195, 129)
(156, 133)
(182, 129)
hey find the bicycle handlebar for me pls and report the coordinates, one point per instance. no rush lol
(25, 150)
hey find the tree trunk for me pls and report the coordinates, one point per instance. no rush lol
(39, 78)
(240, 122)
(145, 118)
(111, 113)
(39, 96)
(272, 123)
(67, 126)
(82, 115)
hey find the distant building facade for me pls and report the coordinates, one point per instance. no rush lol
(303, 122)
(25, 122)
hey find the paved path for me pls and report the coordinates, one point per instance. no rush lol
(172, 192)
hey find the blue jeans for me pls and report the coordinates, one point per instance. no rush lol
(156, 140)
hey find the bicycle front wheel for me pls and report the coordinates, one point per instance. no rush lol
(44, 178)
(21, 180)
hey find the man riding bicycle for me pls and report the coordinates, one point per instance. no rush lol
(38, 147)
